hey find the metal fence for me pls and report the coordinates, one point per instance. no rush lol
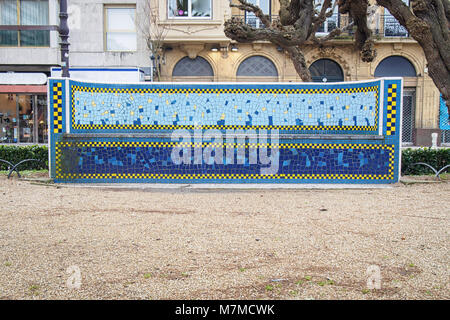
(445, 135)
(409, 98)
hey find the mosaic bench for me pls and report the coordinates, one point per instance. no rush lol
(225, 133)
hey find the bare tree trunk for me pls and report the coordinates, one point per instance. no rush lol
(427, 22)
(428, 25)
(298, 59)
(363, 36)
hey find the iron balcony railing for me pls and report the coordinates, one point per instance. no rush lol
(388, 26)
(253, 21)
(381, 25)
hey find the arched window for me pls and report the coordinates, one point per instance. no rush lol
(197, 67)
(395, 66)
(257, 66)
(326, 70)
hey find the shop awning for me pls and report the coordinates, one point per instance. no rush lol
(23, 89)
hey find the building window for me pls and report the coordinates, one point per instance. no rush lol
(250, 17)
(326, 70)
(392, 28)
(395, 66)
(257, 66)
(120, 28)
(330, 23)
(24, 13)
(189, 8)
(197, 67)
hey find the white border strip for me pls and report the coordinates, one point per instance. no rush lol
(381, 109)
(67, 106)
(149, 83)
(49, 129)
(399, 115)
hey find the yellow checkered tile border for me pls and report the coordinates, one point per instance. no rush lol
(57, 108)
(220, 127)
(61, 175)
(75, 88)
(209, 176)
(171, 144)
(391, 109)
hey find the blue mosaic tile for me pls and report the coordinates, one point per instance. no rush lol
(368, 108)
(152, 160)
(283, 107)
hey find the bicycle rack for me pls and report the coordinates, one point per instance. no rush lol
(13, 167)
(437, 172)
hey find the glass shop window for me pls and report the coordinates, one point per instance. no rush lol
(23, 118)
(189, 8)
(24, 13)
(8, 118)
(120, 29)
(41, 123)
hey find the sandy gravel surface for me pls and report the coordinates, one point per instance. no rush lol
(301, 244)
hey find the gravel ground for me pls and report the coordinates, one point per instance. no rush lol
(287, 244)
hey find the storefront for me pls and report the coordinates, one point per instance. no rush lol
(23, 108)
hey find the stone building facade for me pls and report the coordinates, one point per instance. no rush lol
(107, 34)
(197, 50)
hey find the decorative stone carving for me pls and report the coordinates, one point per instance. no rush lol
(329, 52)
(192, 50)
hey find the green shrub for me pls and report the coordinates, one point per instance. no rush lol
(437, 158)
(15, 154)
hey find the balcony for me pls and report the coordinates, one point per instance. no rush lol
(389, 27)
(253, 21)
(382, 25)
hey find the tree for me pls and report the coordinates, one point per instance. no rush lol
(154, 33)
(427, 21)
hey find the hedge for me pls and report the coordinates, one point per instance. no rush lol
(15, 153)
(437, 158)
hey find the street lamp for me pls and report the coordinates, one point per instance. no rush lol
(64, 34)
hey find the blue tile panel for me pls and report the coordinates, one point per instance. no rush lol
(337, 108)
(57, 114)
(351, 110)
(141, 161)
(444, 118)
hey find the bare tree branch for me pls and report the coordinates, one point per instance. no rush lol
(424, 23)
(248, 7)
(331, 35)
(427, 21)
(322, 16)
(153, 31)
